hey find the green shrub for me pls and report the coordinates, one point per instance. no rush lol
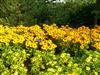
(17, 60)
(15, 12)
(25, 12)
(12, 61)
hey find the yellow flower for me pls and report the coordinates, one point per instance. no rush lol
(68, 38)
(82, 46)
(31, 44)
(47, 45)
(97, 45)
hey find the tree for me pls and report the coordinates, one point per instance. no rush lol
(27, 12)
(10, 11)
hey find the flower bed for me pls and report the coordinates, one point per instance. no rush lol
(49, 50)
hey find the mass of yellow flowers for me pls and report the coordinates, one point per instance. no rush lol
(36, 36)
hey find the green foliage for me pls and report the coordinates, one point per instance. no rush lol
(15, 60)
(83, 16)
(21, 11)
(27, 12)
(12, 61)
(10, 11)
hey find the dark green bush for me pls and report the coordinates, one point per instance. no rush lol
(83, 16)
(15, 12)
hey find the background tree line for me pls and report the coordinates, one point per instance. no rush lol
(29, 12)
